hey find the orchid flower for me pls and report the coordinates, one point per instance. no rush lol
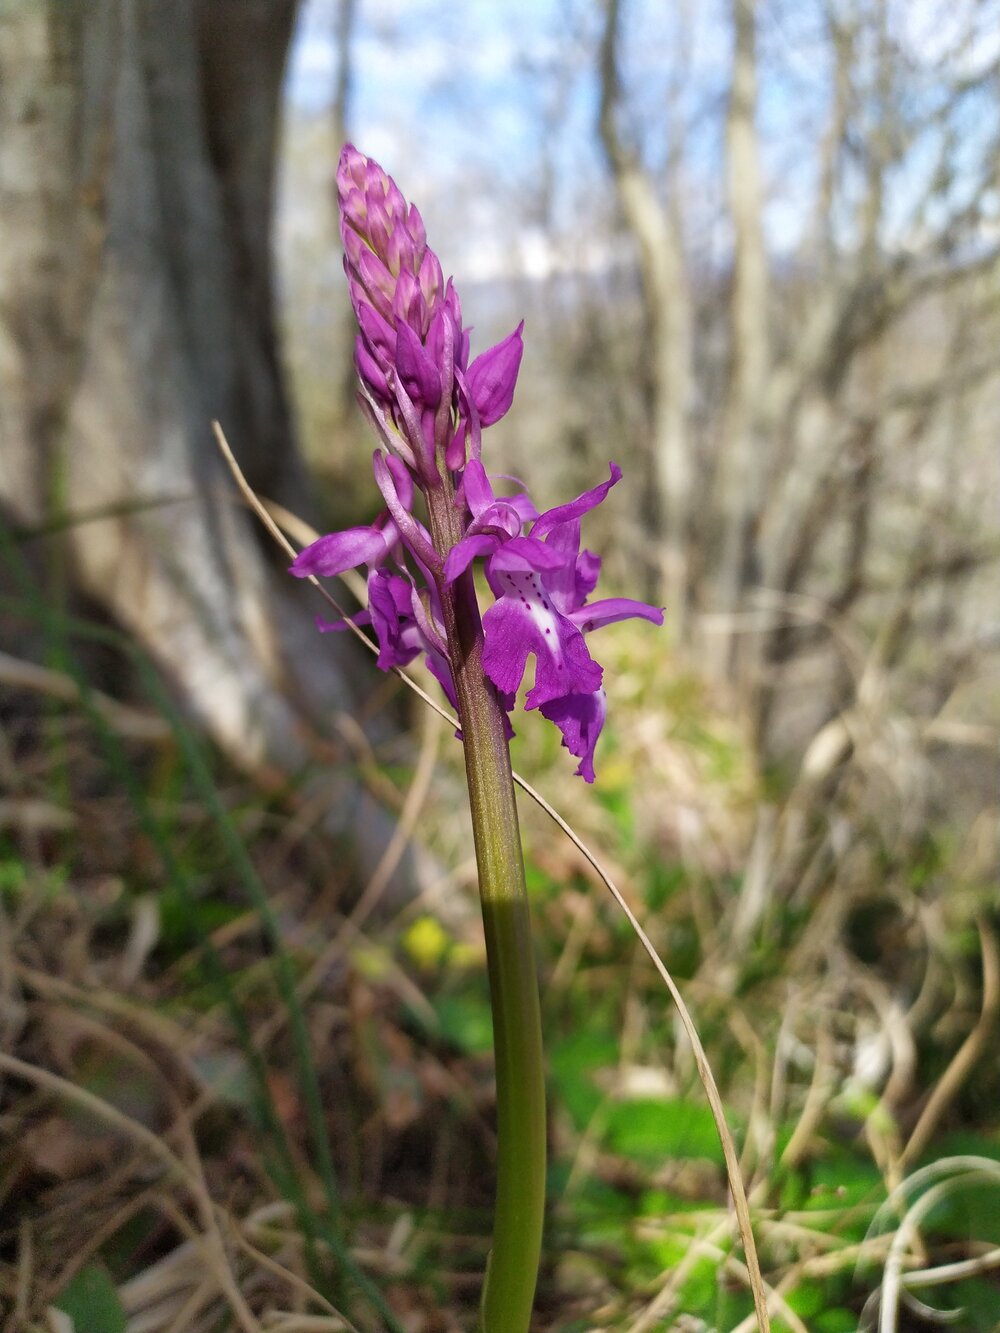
(428, 405)
(429, 408)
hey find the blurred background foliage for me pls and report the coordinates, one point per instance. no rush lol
(246, 1040)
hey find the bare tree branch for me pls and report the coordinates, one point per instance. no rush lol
(667, 305)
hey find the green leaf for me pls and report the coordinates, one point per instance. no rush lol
(573, 1062)
(980, 1300)
(806, 1300)
(969, 1212)
(843, 1180)
(793, 1193)
(651, 1130)
(965, 1143)
(467, 1021)
(700, 1290)
(837, 1320)
(91, 1301)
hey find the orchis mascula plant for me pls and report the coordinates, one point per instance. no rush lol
(429, 406)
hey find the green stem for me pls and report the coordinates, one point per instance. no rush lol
(512, 1268)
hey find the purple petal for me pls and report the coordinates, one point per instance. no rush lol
(454, 454)
(476, 487)
(588, 570)
(552, 518)
(400, 252)
(500, 518)
(492, 376)
(415, 227)
(454, 307)
(509, 641)
(389, 604)
(430, 278)
(378, 335)
(416, 369)
(523, 507)
(580, 718)
(612, 609)
(338, 551)
(408, 304)
(335, 626)
(402, 479)
(522, 622)
(377, 282)
(441, 349)
(395, 204)
(370, 370)
(462, 554)
(561, 581)
(523, 554)
(354, 244)
(412, 532)
(350, 169)
(379, 224)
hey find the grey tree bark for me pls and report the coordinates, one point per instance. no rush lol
(137, 147)
(741, 466)
(667, 306)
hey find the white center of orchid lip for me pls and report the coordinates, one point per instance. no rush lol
(527, 589)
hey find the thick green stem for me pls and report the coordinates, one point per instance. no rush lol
(512, 1271)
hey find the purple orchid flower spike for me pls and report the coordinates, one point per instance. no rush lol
(412, 352)
(429, 406)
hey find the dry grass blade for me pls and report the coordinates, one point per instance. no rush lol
(15, 673)
(740, 1203)
(153, 1143)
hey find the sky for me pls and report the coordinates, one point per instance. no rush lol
(419, 63)
(465, 104)
(485, 111)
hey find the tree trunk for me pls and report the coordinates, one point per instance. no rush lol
(137, 146)
(667, 308)
(742, 465)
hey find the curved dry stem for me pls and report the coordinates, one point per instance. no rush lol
(940, 1177)
(817, 1099)
(893, 1281)
(967, 1054)
(701, 1060)
(954, 1272)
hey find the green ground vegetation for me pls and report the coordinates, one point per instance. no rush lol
(229, 1101)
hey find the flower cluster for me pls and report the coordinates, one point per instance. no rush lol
(429, 406)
